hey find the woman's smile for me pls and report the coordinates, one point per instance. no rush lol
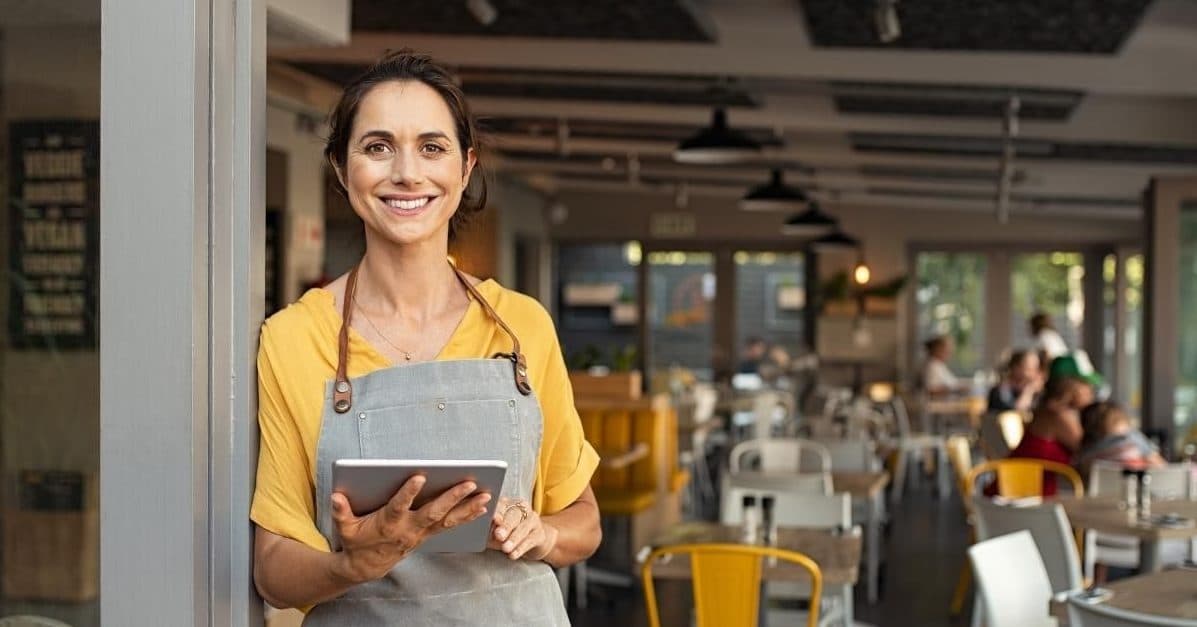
(406, 205)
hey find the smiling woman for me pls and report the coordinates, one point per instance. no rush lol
(438, 358)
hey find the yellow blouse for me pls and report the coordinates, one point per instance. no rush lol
(297, 357)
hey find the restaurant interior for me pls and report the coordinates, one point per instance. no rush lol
(824, 273)
(790, 248)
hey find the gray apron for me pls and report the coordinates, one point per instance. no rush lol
(460, 409)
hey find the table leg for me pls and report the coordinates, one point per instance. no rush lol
(1149, 556)
(849, 609)
(873, 556)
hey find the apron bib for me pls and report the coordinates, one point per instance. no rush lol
(459, 409)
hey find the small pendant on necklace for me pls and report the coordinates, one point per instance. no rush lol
(407, 356)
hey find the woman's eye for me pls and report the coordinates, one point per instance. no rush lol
(433, 148)
(377, 149)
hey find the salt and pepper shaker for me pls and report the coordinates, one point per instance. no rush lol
(1130, 491)
(751, 520)
(1144, 495)
(769, 526)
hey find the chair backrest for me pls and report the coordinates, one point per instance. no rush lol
(1011, 581)
(782, 455)
(726, 580)
(1022, 477)
(855, 455)
(766, 405)
(808, 510)
(1012, 426)
(706, 397)
(1174, 481)
(960, 455)
(1049, 528)
(1000, 433)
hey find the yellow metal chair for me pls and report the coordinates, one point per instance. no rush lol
(727, 582)
(960, 455)
(1022, 477)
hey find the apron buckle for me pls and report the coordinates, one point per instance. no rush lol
(520, 366)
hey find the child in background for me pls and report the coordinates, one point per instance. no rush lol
(1110, 436)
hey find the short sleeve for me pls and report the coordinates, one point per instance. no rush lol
(283, 500)
(568, 461)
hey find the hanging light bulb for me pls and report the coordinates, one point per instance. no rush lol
(861, 273)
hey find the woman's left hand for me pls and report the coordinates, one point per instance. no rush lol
(520, 532)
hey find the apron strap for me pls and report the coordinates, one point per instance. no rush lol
(518, 363)
(343, 389)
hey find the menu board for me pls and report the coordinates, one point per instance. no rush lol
(54, 188)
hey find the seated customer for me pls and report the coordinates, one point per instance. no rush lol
(1110, 436)
(1055, 428)
(936, 378)
(1023, 380)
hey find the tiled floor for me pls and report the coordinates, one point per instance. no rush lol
(923, 556)
(924, 553)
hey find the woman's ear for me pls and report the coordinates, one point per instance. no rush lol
(337, 173)
(470, 161)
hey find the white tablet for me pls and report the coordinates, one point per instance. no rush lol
(370, 483)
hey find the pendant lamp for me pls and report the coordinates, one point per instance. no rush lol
(717, 143)
(810, 222)
(773, 196)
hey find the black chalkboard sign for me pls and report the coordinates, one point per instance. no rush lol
(54, 201)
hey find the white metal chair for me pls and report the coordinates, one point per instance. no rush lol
(808, 511)
(1049, 527)
(1011, 581)
(781, 455)
(852, 455)
(1174, 481)
(910, 443)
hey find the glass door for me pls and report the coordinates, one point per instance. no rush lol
(681, 312)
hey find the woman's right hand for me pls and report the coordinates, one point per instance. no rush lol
(373, 544)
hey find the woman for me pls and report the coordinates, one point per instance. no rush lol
(422, 361)
(1018, 388)
(1054, 432)
(936, 378)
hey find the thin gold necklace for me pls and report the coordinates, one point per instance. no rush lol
(406, 354)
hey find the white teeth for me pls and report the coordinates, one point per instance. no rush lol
(407, 204)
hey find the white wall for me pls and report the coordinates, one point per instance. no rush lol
(521, 215)
(296, 136)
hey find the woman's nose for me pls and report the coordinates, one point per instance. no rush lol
(406, 169)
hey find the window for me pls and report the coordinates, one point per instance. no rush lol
(1051, 283)
(950, 299)
(681, 311)
(770, 299)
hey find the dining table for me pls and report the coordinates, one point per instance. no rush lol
(1167, 597)
(866, 487)
(1110, 515)
(837, 554)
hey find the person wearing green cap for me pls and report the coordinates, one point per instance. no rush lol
(1076, 365)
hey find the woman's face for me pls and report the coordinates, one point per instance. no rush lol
(404, 172)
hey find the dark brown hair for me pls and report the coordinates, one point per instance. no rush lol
(405, 65)
(1099, 419)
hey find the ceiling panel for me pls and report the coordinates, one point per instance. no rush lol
(643, 20)
(1036, 148)
(1076, 26)
(953, 100)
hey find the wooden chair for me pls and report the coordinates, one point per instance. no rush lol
(726, 580)
(1000, 433)
(960, 455)
(1022, 477)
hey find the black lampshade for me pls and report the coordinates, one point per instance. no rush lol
(834, 241)
(810, 222)
(716, 143)
(773, 196)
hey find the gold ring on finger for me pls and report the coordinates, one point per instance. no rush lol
(520, 506)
